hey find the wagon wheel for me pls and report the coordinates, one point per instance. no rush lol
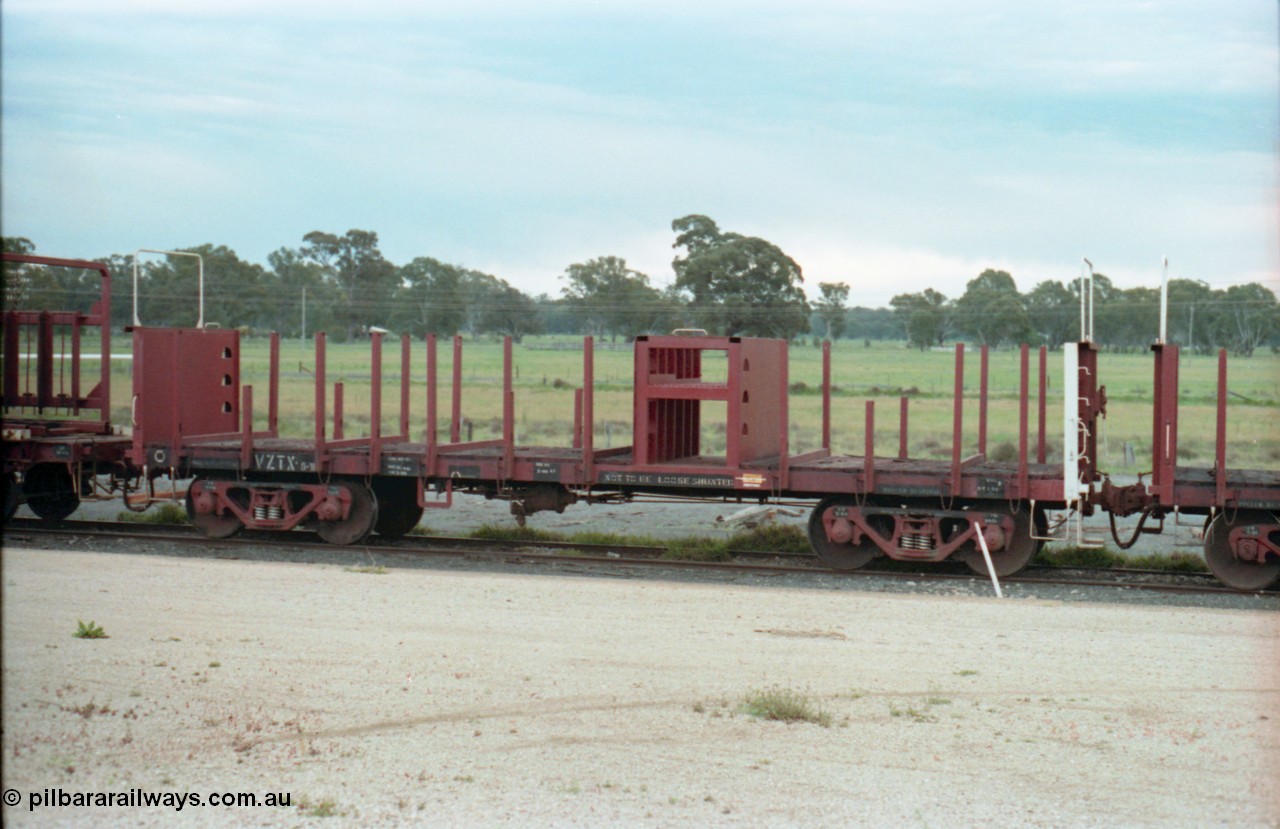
(1231, 571)
(1017, 551)
(360, 520)
(50, 491)
(837, 556)
(398, 510)
(212, 525)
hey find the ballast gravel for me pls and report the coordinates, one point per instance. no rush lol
(410, 696)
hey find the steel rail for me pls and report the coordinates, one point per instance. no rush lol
(426, 546)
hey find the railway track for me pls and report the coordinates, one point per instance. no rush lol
(567, 552)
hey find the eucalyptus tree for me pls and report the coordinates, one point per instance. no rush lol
(738, 285)
(611, 298)
(832, 307)
(366, 281)
(925, 317)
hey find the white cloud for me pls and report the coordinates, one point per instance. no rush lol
(516, 157)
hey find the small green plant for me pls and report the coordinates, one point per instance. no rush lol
(89, 631)
(911, 712)
(376, 570)
(784, 705)
(167, 513)
(325, 808)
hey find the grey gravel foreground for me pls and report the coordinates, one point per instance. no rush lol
(467, 698)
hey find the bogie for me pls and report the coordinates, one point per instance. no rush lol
(846, 534)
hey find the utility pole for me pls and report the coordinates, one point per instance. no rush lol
(304, 315)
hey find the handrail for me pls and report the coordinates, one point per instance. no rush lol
(200, 272)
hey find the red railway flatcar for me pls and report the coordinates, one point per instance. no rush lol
(59, 443)
(194, 419)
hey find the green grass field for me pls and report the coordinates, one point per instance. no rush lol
(547, 369)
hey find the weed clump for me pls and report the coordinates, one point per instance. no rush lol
(325, 808)
(89, 631)
(167, 513)
(771, 538)
(495, 532)
(1093, 557)
(1173, 563)
(1104, 558)
(1003, 452)
(784, 705)
(697, 549)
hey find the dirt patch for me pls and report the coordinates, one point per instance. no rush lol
(431, 697)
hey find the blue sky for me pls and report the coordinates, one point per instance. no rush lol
(889, 144)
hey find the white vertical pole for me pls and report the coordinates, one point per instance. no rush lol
(304, 314)
(1070, 424)
(986, 556)
(1086, 324)
(1164, 302)
(1082, 328)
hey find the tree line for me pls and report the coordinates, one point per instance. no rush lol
(725, 283)
(991, 311)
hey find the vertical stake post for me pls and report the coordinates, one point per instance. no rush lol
(404, 387)
(957, 424)
(455, 420)
(321, 393)
(982, 403)
(869, 461)
(273, 388)
(1041, 447)
(588, 409)
(1024, 378)
(826, 395)
(432, 388)
(902, 428)
(375, 404)
(1220, 447)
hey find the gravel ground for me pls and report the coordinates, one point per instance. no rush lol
(376, 692)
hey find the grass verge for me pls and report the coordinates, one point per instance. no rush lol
(163, 514)
(1106, 558)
